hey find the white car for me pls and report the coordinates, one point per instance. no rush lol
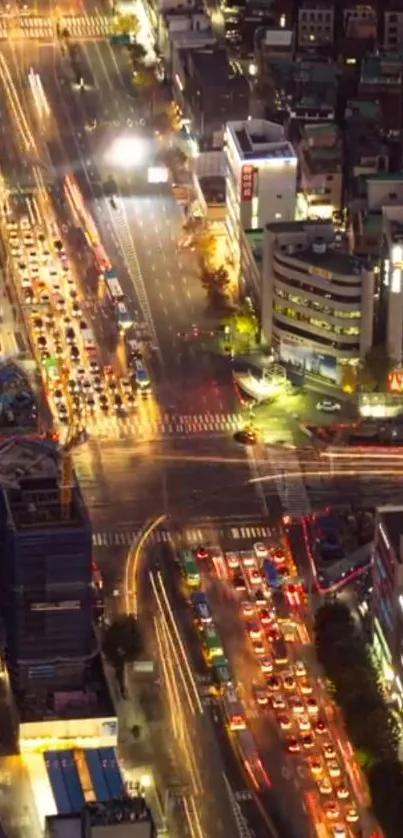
(328, 406)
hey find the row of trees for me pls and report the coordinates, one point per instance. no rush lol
(370, 723)
(372, 375)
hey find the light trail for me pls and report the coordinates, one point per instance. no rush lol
(386, 472)
(170, 659)
(192, 706)
(192, 815)
(180, 643)
(133, 562)
(332, 589)
(163, 663)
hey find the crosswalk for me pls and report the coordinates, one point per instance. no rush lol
(278, 468)
(193, 536)
(147, 426)
(80, 27)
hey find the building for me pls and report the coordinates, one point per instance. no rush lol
(261, 176)
(381, 80)
(213, 90)
(321, 177)
(179, 31)
(315, 24)
(46, 598)
(126, 817)
(393, 27)
(391, 287)
(387, 596)
(316, 300)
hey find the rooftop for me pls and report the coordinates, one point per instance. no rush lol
(37, 503)
(396, 177)
(320, 160)
(331, 260)
(18, 410)
(391, 517)
(22, 457)
(213, 67)
(256, 139)
(93, 701)
(132, 815)
(295, 227)
(360, 108)
(383, 69)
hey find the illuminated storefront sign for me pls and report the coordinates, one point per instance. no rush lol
(247, 183)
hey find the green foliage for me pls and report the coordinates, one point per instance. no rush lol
(122, 641)
(374, 372)
(137, 54)
(370, 724)
(216, 283)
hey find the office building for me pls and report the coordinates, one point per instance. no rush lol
(46, 597)
(387, 596)
(392, 27)
(315, 24)
(316, 300)
(261, 176)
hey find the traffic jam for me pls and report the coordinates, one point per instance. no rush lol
(78, 387)
(270, 601)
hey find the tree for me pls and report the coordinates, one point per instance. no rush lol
(126, 25)
(137, 54)
(206, 247)
(375, 369)
(216, 283)
(122, 641)
(349, 378)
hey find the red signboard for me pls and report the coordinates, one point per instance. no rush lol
(395, 382)
(247, 183)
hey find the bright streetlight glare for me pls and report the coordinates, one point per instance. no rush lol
(128, 152)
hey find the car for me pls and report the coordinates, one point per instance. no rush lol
(58, 395)
(305, 686)
(232, 560)
(266, 665)
(334, 769)
(239, 582)
(297, 705)
(274, 683)
(72, 385)
(261, 550)
(42, 342)
(248, 560)
(38, 324)
(247, 608)
(266, 617)
(343, 793)
(320, 727)
(339, 831)
(60, 303)
(86, 385)
(284, 721)
(278, 702)
(74, 354)
(118, 402)
(260, 597)
(131, 398)
(103, 403)
(255, 577)
(328, 406)
(81, 372)
(59, 350)
(258, 647)
(289, 682)
(112, 383)
(331, 810)
(272, 635)
(97, 384)
(261, 696)
(351, 815)
(90, 402)
(307, 741)
(312, 706)
(125, 385)
(304, 723)
(76, 309)
(325, 786)
(293, 746)
(329, 751)
(279, 557)
(300, 669)
(254, 631)
(316, 767)
(201, 552)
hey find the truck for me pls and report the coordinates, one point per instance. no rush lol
(89, 341)
(270, 573)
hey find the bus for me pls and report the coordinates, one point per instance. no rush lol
(201, 607)
(280, 653)
(222, 673)
(233, 709)
(124, 319)
(189, 569)
(212, 642)
(113, 288)
(141, 376)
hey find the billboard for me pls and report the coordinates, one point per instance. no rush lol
(247, 183)
(395, 382)
(68, 733)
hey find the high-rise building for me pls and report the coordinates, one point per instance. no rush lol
(261, 177)
(46, 596)
(387, 596)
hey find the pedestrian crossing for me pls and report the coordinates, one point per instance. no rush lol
(36, 27)
(278, 468)
(147, 426)
(193, 536)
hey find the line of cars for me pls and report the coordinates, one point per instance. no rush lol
(288, 691)
(77, 386)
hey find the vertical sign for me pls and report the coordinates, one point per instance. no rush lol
(247, 183)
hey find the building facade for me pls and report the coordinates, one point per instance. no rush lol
(46, 593)
(315, 25)
(261, 176)
(317, 301)
(321, 178)
(387, 596)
